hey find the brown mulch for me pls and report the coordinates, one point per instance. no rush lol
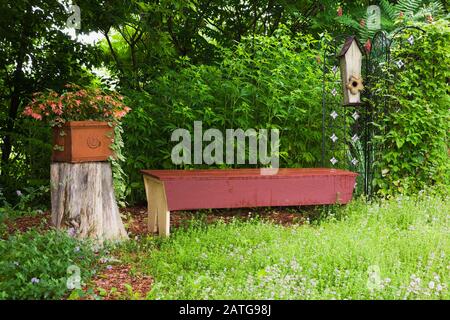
(23, 224)
(118, 282)
(135, 218)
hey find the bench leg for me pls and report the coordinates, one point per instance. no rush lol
(163, 219)
(158, 212)
(150, 187)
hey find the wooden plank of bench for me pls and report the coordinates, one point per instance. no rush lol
(169, 190)
(158, 212)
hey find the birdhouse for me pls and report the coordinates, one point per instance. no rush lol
(350, 59)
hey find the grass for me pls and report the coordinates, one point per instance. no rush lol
(394, 249)
(391, 249)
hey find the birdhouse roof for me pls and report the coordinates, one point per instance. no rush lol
(347, 44)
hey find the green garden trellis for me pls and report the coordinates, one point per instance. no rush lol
(348, 129)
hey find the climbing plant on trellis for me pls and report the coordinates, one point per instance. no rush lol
(347, 128)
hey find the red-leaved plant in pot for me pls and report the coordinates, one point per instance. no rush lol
(83, 121)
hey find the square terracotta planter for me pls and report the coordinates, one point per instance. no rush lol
(82, 141)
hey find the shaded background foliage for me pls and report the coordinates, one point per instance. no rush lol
(230, 63)
(261, 83)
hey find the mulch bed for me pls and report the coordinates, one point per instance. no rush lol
(23, 224)
(135, 218)
(118, 282)
(110, 283)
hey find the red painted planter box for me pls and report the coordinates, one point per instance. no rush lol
(82, 141)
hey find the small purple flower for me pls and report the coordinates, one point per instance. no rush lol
(19, 193)
(35, 280)
(109, 267)
(71, 232)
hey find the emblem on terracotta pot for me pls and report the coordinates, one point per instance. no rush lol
(93, 142)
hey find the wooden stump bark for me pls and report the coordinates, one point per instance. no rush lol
(83, 200)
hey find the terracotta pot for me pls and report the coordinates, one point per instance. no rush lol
(82, 141)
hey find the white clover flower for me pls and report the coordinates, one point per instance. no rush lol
(104, 260)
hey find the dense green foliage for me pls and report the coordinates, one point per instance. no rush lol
(395, 249)
(263, 82)
(36, 266)
(413, 136)
(27, 202)
(179, 61)
(35, 54)
(144, 39)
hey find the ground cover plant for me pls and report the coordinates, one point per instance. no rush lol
(38, 265)
(390, 249)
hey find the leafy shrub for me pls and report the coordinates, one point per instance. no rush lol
(413, 139)
(262, 82)
(28, 202)
(35, 266)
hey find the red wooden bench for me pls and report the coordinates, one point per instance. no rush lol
(169, 190)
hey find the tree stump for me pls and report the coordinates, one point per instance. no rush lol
(83, 200)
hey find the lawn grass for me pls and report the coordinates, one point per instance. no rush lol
(394, 249)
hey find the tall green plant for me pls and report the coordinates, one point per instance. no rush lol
(261, 83)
